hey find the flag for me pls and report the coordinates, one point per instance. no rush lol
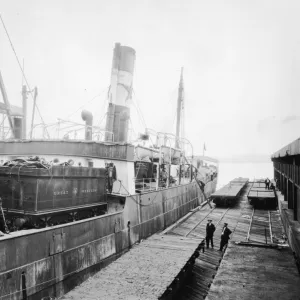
(204, 148)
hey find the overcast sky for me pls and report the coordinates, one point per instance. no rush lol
(241, 64)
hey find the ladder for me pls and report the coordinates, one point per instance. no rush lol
(202, 190)
(199, 184)
(3, 224)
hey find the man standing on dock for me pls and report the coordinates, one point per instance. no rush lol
(210, 229)
(224, 236)
(267, 182)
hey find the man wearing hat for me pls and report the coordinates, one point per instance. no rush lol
(210, 229)
(224, 236)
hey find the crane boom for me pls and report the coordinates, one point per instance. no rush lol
(6, 102)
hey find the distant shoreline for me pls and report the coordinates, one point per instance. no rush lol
(246, 159)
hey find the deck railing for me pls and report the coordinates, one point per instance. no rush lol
(151, 184)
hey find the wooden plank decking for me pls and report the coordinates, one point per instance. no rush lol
(228, 191)
(260, 188)
(257, 270)
(259, 184)
(207, 264)
(231, 190)
(240, 179)
(245, 272)
(261, 194)
(256, 273)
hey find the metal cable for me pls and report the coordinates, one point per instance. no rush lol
(12, 46)
(82, 106)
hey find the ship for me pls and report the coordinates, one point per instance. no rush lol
(70, 205)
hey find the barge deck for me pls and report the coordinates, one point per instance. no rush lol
(259, 196)
(229, 193)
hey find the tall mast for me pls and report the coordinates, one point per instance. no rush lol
(24, 106)
(180, 107)
(118, 112)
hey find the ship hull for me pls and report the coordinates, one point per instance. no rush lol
(49, 262)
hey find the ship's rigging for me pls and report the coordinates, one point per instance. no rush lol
(67, 129)
(180, 111)
(25, 90)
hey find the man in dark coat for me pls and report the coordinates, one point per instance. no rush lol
(224, 236)
(267, 182)
(210, 229)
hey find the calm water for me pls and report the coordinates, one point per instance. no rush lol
(229, 171)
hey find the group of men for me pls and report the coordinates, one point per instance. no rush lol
(210, 229)
(269, 184)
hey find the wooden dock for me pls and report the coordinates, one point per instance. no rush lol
(207, 264)
(261, 268)
(204, 270)
(256, 273)
(257, 236)
(148, 271)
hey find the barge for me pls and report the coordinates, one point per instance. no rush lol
(229, 193)
(260, 196)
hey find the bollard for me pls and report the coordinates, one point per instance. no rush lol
(129, 239)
